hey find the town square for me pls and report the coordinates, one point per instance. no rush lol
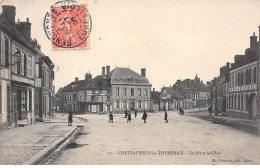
(92, 82)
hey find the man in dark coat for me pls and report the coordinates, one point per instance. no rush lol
(125, 113)
(110, 117)
(144, 116)
(210, 110)
(180, 110)
(135, 113)
(129, 117)
(165, 116)
(70, 119)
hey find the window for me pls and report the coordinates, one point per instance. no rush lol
(29, 67)
(235, 102)
(139, 92)
(117, 104)
(23, 101)
(6, 52)
(255, 74)
(92, 98)
(242, 102)
(145, 104)
(30, 100)
(132, 92)
(117, 91)
(124, 92)
(139, 104)
(124, 104)
(236, 79)
(249, 76)
(145, 92)
(238, 102)
(75, 97)
(25, 64)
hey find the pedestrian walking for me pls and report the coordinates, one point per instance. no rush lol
(129, 117)
(135, 113)
(165, 116)
(110, 117)
(125, 113)
(144, 116)
(70, 118)
(210, 111)
(180, 110)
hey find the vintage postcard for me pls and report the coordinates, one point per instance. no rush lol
(133, 82)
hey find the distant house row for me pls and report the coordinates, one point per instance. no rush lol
(185, 94)
(234, 92)
(117, 90)
(26, 74)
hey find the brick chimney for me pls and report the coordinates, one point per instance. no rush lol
(88, 76)
(143, 72)
(24, 29)
(153, 89)
(253, 40)
(34, 42)
(108, 70)
(8, 13)
(76, 79)
(103, 71)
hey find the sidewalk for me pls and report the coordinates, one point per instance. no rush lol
(252, 126)
(30, 144)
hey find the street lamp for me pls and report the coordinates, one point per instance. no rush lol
(16, 55)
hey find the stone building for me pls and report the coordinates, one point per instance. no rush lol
(44, 89)
(18, 77)
(129, 90)
(17, 73)
(185, 94)
(242, 88)
(219, 90)
(117, 90)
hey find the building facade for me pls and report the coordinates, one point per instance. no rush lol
(242, 88)
(117, 90)
(129, 90)
(18, 81)
(19, 57)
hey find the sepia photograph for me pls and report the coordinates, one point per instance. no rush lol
(133, 82)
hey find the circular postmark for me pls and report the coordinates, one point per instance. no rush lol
(68, 25)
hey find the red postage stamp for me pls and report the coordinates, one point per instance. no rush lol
(70, 25)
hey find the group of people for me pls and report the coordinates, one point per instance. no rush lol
(128, 116)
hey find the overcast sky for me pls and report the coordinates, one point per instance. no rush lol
(172, 39)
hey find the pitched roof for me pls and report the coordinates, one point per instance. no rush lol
(174, 92)
(14, 33)
(98, 83)
(127, 76)
(201, 87)
(76, 86)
